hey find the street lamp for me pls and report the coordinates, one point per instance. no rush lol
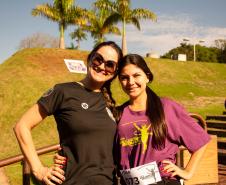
(194, 44)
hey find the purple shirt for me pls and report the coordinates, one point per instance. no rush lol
(134, 136)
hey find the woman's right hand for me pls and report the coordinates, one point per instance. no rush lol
(50, 175)
(59, 160)
(174, 170)
(55, 174)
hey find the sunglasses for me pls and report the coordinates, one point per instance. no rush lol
(110, 65)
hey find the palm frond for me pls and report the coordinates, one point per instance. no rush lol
(76, 15)
(103, 5)
(79, 34)
(114, 30)
(46, 10)
(135, 22)
(141, 13)
(63, 5)
(113, 19)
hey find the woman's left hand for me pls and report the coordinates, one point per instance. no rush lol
(174, 170)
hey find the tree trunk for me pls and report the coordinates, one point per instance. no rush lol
(124, 46)
(62, 45)
(78, 44)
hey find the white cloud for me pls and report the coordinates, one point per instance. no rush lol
(168, 32)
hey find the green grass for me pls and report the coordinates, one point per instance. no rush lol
(200, 87)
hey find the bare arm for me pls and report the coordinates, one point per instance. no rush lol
(22, 129)
(190, 168)
(194, 161)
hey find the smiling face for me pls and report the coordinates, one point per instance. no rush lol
(98, 71)
(133, 81)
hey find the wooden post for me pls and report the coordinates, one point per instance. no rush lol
(207, 170)
(26, 172)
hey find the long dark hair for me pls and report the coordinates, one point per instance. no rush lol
(106, 88)
(154, 109)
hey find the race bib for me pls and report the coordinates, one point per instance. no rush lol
(142, 175)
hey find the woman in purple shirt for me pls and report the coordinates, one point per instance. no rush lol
(151, 129)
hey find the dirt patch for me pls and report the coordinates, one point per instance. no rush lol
(204, 101)
(51, 61)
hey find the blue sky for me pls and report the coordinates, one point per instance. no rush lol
(177, 19)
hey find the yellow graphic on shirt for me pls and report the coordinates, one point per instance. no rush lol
(140, 138)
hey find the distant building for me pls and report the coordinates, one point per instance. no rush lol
(153, 55)
(182, 57)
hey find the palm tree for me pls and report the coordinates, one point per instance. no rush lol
(78, 35)
(96, 25)
(122, 12)
(62, 11)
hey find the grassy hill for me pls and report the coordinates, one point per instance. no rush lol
(200, 87)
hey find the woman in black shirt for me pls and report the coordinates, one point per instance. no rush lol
(86, 127)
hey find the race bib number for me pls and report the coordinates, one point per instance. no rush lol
(142, 175)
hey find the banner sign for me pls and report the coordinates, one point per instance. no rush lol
(75, 66)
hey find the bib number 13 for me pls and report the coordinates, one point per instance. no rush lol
(132, 181)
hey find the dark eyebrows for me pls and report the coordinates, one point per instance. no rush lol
(136, 73)
(123, 76)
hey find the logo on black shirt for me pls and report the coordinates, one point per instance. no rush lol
(84, 105)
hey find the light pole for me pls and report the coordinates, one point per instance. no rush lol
(194, 44)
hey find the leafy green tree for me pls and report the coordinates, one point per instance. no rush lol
(121, 12)
(222, 57)
(206, 54)
(63, 12)
(79, 35)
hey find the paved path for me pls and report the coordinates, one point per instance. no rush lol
(3, 178)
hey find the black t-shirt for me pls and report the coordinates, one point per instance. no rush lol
(86, 131)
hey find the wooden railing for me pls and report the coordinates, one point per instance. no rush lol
(200, 120)
(202, 123)
(26, 168)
